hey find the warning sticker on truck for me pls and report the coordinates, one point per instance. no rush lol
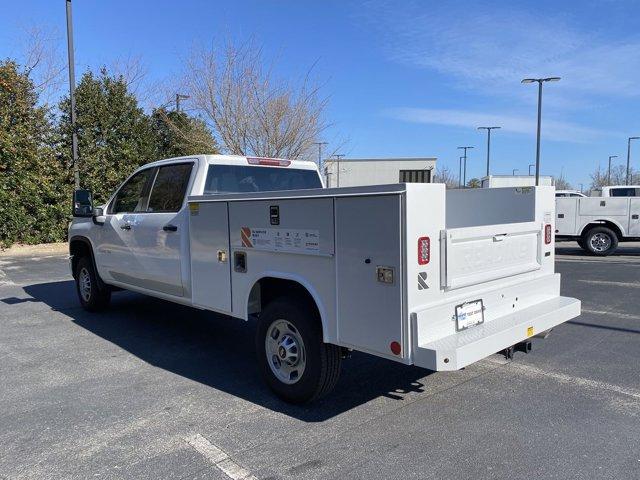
(281, 239)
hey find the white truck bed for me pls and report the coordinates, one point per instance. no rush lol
(490, 259)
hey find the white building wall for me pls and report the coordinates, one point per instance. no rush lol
(359, 172)
(496, 181)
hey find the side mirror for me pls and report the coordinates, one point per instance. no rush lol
(82, 203)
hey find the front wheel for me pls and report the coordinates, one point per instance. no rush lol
(92, 297)
(601, 241)
(294, 361)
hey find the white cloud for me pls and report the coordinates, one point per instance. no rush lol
(490, 49)
(551, 129)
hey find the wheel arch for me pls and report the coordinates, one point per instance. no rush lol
(78, 247)
(611, 224)
(272, 285)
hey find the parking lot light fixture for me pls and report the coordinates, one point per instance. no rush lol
(540, 81)
(464, 170)
(629, 156)
(488, 129)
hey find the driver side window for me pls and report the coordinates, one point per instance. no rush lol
(133, 195)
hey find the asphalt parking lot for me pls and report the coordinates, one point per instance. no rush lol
(150, 389)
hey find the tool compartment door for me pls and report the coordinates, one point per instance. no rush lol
(369, 237)
(209, 246)
(476, 255)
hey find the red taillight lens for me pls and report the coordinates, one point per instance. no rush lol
(547, 234)
(272, 162)
(424, 250)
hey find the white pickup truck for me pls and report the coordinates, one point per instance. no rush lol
(409, 272)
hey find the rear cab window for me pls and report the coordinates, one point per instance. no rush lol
(622, 192)
(240, 179)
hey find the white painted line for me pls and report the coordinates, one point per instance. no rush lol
(219, 458)
(613, 284)
(568, 379)
(4, 280)
(626, 316)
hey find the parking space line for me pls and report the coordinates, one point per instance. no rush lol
(612, 283)
(569, 379)
(219, 458)
(625, 316)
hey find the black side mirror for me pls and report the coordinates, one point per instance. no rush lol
(82, 203)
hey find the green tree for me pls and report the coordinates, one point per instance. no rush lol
(176, 134)
(33, 191)
(474, 183)
(114, 134)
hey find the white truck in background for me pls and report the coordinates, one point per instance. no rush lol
(408, 272)
(598, 224)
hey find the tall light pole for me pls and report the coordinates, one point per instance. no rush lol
(609, 174)
(464, 176)
(531, 165)
(320, 144)
(629, 156)
(72, 95)
(540, 82)
(488, 129)
(180, 96)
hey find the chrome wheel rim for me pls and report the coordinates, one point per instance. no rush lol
(84, 284)
(285, 352)
(600, 242)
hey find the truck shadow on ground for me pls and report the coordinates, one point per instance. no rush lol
(572, 249)
(219, 351)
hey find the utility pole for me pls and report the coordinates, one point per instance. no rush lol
(629, 156)
(460, 172)
(464, 176)
(609, 174)
(488, 129)
(72, 96)
(320, 144)
(540, 82)
(179, 97)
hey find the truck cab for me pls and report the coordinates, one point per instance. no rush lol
(138, 237)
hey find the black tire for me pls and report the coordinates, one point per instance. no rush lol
(600, 241)
(93, 294)
(322, 361)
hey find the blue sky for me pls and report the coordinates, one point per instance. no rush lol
(412, 78)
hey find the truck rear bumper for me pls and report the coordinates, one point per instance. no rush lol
(464, 348)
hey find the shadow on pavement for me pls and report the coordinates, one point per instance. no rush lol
(572, 249)
(219, 351)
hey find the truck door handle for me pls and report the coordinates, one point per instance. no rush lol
(170, 228)
(500, 237)
(635, 217)
(126, 226)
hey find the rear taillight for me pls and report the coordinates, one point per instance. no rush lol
(424, 250)
(547, 234)
(272, 162)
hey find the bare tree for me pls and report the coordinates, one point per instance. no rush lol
(600, 177)
(43, 62)
(445, 175)
(562, 183)
(250, 110)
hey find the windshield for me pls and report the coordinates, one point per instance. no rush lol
(239, 179)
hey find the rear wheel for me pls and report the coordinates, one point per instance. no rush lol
(92, 297)
(294, 361)
(601, 241)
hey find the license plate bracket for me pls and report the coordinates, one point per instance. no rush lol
(469, 314)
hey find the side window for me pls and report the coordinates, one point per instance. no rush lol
(169, 188)
(622, 192)
(131, 196)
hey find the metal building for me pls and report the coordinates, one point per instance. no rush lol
(353, 172)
